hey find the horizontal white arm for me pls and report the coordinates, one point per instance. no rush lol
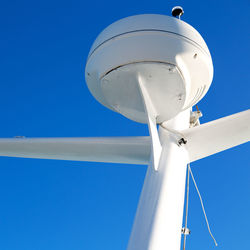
(132, 150)
(218, 135)
(202, 141)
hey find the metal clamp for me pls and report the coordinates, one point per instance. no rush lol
(185, 231)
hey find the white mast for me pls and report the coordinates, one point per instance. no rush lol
(158, 220)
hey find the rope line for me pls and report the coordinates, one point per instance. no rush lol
(204, 212)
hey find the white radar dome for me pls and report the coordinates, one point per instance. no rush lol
(167, 54)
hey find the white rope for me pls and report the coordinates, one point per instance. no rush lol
(173, 131)
(204, 212)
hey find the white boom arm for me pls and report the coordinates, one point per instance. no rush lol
(216, 136)
(132, 150)
(202, 141)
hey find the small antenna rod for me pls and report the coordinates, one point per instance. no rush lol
(197, 108)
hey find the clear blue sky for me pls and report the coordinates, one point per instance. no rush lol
(47, 204)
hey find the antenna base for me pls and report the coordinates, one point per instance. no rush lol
(163, 82)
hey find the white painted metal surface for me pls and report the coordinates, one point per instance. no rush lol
(150, 109)
(218, 135)
(148, 22)
(158, 220)
(163, 81)
(202, 141)
(141, 40)
(132, 150)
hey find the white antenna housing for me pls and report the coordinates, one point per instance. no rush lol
(166, 54)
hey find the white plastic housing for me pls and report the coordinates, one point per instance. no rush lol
(168, 54)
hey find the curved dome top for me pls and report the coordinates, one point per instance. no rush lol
(167, 53)
(149, 22)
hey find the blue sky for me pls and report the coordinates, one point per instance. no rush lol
(47, 204)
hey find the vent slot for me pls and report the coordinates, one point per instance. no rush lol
(198, 95)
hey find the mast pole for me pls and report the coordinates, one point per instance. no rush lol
(158, 220)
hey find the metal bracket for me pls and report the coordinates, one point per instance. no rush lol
(185, 231)
(194, 118)
(180, 138)
(152, 125)
(182, 141)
